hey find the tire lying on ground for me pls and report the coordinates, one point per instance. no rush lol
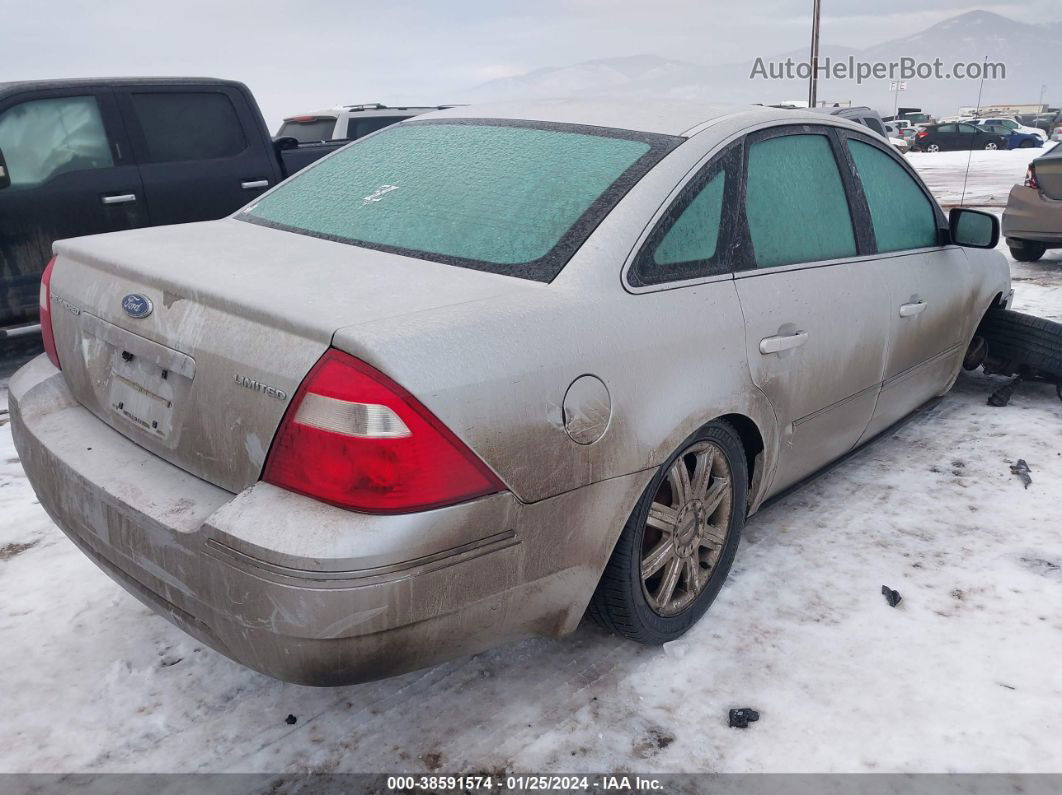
(1020, 343)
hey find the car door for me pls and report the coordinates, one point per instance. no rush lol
(816, 324)
(947, 137)
(969, 137)
(200, 152)
(71, 173)
(929, 293)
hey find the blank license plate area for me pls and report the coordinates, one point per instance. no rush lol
(142, 392)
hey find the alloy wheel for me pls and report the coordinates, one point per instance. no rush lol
(687, 528)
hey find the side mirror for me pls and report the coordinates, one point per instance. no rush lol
(285, 143)
(5, 177)
(973, 228)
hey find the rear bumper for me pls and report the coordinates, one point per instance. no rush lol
(300, 590)
(1032, 216)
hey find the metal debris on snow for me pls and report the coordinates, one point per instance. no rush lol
(741, 718)
(1021, 469)
(891, 595)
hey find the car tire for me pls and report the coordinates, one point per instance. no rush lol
(1026, 144)
(991, 146)
(1027, 342)
(1027, 251)
(933, 148)
(686, 566)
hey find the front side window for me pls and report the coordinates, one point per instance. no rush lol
(516, 198)
(902, 215)
(188, 126)
(44, 138)
(795, 202)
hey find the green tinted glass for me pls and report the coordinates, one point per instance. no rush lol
(795, 202)
(494, 194)
(902, 215)
(695, 234)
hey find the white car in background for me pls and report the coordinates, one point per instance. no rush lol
(1011, 124)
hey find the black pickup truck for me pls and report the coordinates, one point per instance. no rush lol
(78, 157)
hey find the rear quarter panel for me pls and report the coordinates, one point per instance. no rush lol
(496, 371)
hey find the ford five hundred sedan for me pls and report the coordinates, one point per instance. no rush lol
(487, 370)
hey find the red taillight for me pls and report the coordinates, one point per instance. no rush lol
(921, 134)
(354, 438)
(1030, 178)
(47, 335)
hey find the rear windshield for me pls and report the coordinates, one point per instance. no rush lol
(306, 132)
(516, 198)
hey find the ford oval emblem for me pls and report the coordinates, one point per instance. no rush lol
(136, 305)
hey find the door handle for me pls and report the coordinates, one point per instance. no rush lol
(254, 184)
(783, 343)
(910, 310)
(121, 198)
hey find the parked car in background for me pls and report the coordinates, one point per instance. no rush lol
(896, 137)
(1047, 121)
(1032, 221)
(304, 432)
(1015, 139)
(1011, 124)
(961, 137)
(347, 122)
(1057, 136)
(860, 114)
(79, 157)
(870, 118)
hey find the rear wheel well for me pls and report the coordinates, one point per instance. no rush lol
(751, 441)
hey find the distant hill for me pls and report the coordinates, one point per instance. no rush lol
(1030, 53)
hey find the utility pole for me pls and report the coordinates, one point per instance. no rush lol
(1043, 90)
(813, 88)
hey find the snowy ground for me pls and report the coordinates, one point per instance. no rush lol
(962, 676)
(990, 178)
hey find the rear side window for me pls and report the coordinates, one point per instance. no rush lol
(899, 210)
(309, 131)
(874, 124)
(188, 126)
(359, 128)
(947, 128)
(695, 233)
(514, 198)
(44, 138)
(795, 202)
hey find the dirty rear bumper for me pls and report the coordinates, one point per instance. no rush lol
(300, 590)
(1032, 216)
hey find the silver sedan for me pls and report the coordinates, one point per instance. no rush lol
(490, 369)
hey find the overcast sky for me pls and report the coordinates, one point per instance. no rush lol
(299, 56)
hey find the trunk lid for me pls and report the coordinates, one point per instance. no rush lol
(190, 340)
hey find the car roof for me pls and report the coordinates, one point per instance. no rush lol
(371, 109)
(641, 114)
(18, 86)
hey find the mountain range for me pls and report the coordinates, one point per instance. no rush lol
(1026, 50)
